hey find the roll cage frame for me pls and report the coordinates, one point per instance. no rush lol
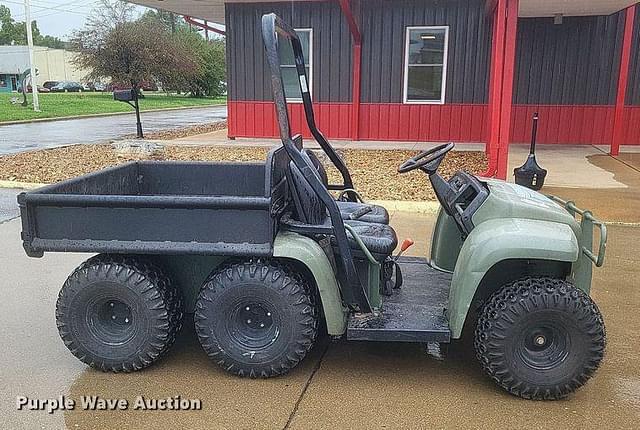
(272, 27)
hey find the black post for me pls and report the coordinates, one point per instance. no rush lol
(534, 133)
(137, 108)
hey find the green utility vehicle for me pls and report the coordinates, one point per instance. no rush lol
(267, 255)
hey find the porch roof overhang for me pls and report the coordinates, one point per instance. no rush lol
(542, 8)
(213, 10)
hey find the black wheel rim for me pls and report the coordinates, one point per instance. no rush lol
(544, 346)
(111, 320)
(254, 324)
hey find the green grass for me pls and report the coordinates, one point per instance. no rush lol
(58, 105)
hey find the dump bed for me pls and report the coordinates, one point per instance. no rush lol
(159, 207)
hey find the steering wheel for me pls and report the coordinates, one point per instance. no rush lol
(428, 160)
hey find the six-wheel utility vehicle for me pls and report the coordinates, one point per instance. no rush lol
(264, 254)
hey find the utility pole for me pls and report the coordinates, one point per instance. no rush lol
(34, 72)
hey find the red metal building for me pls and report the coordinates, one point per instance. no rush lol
(442, 70)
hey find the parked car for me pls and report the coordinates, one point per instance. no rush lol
(67, 86)
(144, 86)
(40, 89)
(49, 84)
(29, 89)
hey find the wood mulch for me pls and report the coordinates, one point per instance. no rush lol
(374, 172)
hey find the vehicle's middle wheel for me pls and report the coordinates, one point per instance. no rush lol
(256, 318)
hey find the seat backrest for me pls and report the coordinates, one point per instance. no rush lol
(308, 206)
(322, 173)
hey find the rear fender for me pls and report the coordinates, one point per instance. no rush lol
(498, 240)
(307, 252)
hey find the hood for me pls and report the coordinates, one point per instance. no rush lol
(508, 200)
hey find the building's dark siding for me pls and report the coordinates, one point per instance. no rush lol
(575, 62)
(633, 88)
(247, 67)
(383, 25)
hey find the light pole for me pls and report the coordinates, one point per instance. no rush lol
(34, 73)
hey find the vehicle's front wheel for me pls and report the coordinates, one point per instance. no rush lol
(540, 338)
(256, 318)
(118, 313)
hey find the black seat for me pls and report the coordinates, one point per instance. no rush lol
(380, 239)
(377, 214)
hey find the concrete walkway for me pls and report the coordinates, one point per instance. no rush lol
(568, 165)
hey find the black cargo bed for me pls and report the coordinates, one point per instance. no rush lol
(414, 313)
(153, 207)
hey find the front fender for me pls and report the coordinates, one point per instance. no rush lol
(501, 239)
(300, 248)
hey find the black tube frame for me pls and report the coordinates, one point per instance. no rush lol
(272, 26)
(285, 30)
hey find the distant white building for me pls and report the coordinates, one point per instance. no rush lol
(52, 65)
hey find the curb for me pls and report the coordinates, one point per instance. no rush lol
(99, 115)
(429, 207)
(16, 185)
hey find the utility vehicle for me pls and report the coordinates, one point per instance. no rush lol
(266, 255)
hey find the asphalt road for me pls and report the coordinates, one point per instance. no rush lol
(36, 135)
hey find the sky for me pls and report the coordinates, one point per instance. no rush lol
(55, 17)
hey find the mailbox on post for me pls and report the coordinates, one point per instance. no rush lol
(130, 97)
(124, 95)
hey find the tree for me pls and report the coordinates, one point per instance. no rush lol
(132, 52)
(168, 20)
(209, 76)
(15, 32)
(155, 47)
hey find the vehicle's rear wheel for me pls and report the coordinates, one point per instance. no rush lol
(118, 313)
(256, 318)
(540, 338)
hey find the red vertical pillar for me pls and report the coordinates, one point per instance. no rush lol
(501, 86)
(623, 79)
(507, 87)
(495, 86)
(357, 62)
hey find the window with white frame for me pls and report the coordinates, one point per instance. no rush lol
(425, 64)
(288, 64)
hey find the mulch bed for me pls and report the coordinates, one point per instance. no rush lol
(374, 172)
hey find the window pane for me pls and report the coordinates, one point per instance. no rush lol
(285, 51)
(291, 83)
(287, 64)
(424, 83)
(426, 46)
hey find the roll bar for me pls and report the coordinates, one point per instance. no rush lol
(272, 26)
(283, 29)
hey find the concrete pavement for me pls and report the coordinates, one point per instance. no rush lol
(38, 135)
(8, 204)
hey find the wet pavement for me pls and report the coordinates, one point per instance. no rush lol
(339, 385)
(8, 204)
(37, 135)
